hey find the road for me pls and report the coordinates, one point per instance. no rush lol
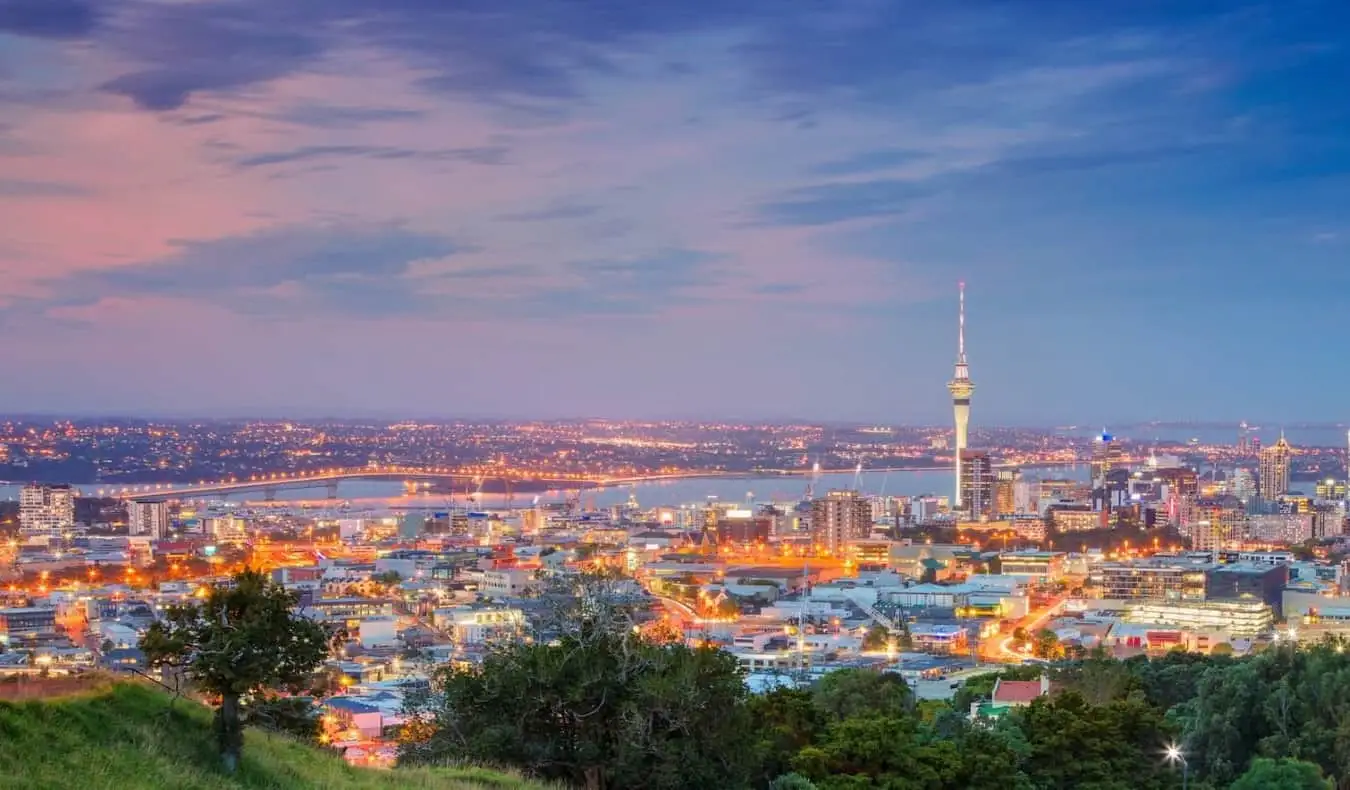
(1004, 650)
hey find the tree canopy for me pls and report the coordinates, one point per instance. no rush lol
(242, 639)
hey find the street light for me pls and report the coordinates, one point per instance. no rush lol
(1175, 755)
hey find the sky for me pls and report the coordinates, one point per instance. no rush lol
(703, 208)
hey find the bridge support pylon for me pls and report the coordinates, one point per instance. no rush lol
(332, 490)
(270, 494)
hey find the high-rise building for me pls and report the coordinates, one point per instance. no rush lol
(1274, 471)
(1242, 485)
(1005, 491)
(839, 518)
(148, 518)
(961, 388)
(1331, 488)
(225, 529)
(977, 484)
(1107, 454)
(46, 509)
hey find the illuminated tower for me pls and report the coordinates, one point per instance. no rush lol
(961, 388)
(1274, 469)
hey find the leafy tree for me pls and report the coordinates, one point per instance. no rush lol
(849, 693)
(387, 579)
(598, 706)
(792, 781)
(1113, 746)
(241, 639)
(1046, 644)
(786, 721)
(1267, 774)
(1283, 703)
(878, 751)
(876, 638)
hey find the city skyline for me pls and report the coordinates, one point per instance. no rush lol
(702, 210)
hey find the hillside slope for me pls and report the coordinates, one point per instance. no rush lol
(128, 737)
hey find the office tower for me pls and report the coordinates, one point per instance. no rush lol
(961, 389)
(148, 518)
(46, 509)
(1274, 471)
(1243, 442)
(1330, 489)
(838, 519)
(1243, 485)
(1005, 491)
(1107, 454)
(977, 484)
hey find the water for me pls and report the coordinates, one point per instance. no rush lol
(377, 495)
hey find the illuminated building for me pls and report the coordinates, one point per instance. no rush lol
(1075, 518)
(1240, 618)
(1274, 471)
(1160, 578)
(1107, 454)
(1005, 492)
(1331, 489)
(1040, 565)
(1216, 524)
(148, 518)
(46, 509)
(742, 526)
(961, 388)
(977, 484)
(1242, 484)
(225, 529)
(839, 518)
(1280, 528)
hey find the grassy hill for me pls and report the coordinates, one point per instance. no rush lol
(128, 737)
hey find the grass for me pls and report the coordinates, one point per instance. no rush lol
(127, 736)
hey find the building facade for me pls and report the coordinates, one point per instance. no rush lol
(1274, 472)
(977, 484)
(46, 509)
(148, 518)
(839, 518)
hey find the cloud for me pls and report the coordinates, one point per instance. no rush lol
(559, 211)
(55, 19)
(485, 155)
(337, 116)
(10, 187)
(867, 162)
(827, 204)
(211, 45)
(634, 286)
(358, 270)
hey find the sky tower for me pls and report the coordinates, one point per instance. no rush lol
(961, 388)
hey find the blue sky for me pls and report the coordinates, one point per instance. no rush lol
(735, 208)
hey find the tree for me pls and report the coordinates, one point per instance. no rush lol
(1046, 644)
(242, 639)
(387, 579)
(1267, 774)
(849, 693)
(598, 705)
(876, 638)
(791, 781)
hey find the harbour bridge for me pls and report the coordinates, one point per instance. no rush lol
(328, 479)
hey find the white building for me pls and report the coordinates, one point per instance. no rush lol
(46, 509)
(148, 518)
(226, 529)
